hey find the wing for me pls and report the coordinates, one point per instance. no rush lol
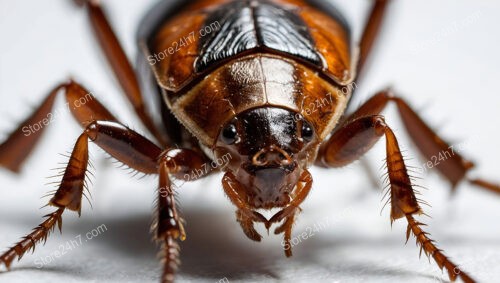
(205, 34)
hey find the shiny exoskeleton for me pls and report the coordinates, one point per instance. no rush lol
(249, 88)
(265, 82)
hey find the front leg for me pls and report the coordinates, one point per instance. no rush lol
(169, 224)
(352, 141)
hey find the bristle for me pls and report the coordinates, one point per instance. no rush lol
(88, 200)
(39, 234)
(427, 245)
(169, 258)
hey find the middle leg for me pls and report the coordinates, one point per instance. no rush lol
(168, 226)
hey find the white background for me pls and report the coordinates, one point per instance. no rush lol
(446, 64)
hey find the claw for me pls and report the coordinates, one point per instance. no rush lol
(278, 217)
(246, 220)
(7, 266)
(252, 234)
(257, 217)
(268, 225)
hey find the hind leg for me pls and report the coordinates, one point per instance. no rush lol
(454, 167)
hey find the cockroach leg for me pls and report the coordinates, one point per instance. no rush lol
(427, 245)
(495, 188)
(169, 254)
(18, 146)
(169, 221)
(124, 144)
(245, 214)
(179, 163)
(341, 150)
(20, 143)
(70, 192)
(68, 196)
(354, 139)
(120, 65)
(40, 233)
(168, 226)
(371, 31)
(454, 168)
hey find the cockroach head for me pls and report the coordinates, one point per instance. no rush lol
(269, 148)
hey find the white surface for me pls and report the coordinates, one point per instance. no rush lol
(448, 70)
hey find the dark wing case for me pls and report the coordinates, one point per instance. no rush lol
(312, 32)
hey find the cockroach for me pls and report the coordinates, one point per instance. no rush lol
(243, 90)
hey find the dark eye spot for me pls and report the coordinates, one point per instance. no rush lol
(307, 131)
(229, 134)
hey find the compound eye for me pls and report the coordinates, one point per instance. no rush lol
(229, 134)
(307, 131)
